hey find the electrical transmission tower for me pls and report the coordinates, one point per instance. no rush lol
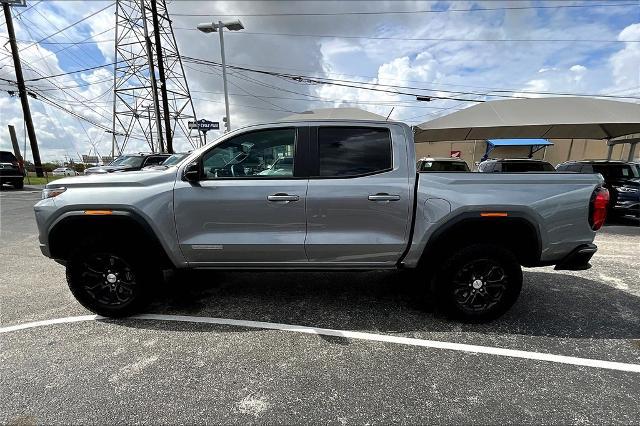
(151, 99)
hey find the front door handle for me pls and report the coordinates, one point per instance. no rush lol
(384, 197)
(282, 197)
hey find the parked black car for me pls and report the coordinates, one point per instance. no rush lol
(11, 170)
(129, 162)
(515, 165)
(621, 178)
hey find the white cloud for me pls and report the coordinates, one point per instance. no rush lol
(625, 63)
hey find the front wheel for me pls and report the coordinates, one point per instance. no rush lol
(18, 184)
(108, 282)
(479, 282)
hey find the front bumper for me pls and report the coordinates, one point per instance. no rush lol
(578, 259)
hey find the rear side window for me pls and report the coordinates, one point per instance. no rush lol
(7, 157)
(353, 151)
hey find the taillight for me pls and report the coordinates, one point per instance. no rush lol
(598, 208)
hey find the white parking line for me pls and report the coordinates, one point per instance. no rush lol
(513, 353)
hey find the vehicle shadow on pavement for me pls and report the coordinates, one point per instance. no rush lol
(551, 304)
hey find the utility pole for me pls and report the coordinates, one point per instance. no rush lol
(163, 82)
(14, 142)
(152, 76)
(22, 90)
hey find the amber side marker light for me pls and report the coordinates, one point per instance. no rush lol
(98, 212)
(494, 214)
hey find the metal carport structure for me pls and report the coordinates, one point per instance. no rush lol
(543, 118)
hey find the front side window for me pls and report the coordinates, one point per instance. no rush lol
(353, 151)
(259, 154)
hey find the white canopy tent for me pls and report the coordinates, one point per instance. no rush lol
(546, 118)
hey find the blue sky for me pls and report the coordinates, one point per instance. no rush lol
(443, 66)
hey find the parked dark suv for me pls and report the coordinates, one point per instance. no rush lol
(621, 178)
(129, 162)
(11, 170)
(515, 165)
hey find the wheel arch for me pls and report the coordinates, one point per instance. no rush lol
(516, 231)
(123, 227)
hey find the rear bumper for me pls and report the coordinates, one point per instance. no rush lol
(627, 207)
(578, 259)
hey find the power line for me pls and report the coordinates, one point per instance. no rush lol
(73, 44)
(316, 80)
(67, 27)
(487, 88)
(47, 77)
(348, 83)
(455, 40)
(20, 14)
(398, 12)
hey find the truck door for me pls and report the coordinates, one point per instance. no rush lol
(359, 198)
(248, 207)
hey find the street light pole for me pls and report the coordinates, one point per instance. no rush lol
(224, 77)
(219, 26)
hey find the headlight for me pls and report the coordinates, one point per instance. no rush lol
(626, 189)
(52, 192)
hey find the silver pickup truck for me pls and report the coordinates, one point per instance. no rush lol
(318, 195)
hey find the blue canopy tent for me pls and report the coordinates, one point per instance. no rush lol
(534, 145)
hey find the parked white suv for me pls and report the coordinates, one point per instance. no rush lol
(64, 171)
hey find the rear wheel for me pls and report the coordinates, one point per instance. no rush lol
(18, 184)
(109, 282)
(479, 282)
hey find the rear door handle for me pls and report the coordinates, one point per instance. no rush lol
(282, 197)
(384, 197)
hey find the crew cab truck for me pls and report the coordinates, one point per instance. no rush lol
(351, 200)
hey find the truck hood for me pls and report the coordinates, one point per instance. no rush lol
(133, 178)
(107, 169)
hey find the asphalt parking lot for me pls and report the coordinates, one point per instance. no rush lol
(163, 371)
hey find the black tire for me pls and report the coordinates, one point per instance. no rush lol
(478, 283)
(109, 281)
(18, 184)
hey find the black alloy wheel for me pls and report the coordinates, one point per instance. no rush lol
(109, 283)
(479, 285)
(479, 282)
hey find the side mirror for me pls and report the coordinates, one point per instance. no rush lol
(192, 172)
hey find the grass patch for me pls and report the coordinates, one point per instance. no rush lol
(32, 179)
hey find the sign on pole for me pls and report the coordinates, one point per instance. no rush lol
(204, 125)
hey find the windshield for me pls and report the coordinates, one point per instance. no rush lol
(174, 159)
(128, 161)
(444, 166)
(526, 166)
(617, 171)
